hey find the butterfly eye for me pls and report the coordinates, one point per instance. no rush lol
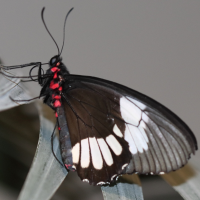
(54, 60)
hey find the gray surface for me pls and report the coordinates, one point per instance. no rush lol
(129, 189)
(12, 87)
(151, 46)
(186, 182)
(45, 174)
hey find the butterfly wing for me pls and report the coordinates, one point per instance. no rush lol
(115, 130)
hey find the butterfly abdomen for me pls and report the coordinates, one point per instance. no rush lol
(64, 137)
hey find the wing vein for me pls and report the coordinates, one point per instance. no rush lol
(155, 139)
(172, 134)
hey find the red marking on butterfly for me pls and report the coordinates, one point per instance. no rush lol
(58, 64)
(53, 85)
(67, 166)
(56, 96)
(57, 103)
(56, 114)
(59, 128)
(55, 75)
(54, 69)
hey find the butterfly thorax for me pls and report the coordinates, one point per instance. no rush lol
(52, 85)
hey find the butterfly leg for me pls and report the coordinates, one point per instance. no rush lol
(52, 144)
(23, 100)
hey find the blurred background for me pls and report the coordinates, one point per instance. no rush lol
(150, 46)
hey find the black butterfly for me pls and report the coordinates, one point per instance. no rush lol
(107, 129)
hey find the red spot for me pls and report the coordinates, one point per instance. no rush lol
(58, 64)
(55, 75)
(59, 128)
(67, 166)
(54, 69)
(57, 103)
(53, 85)
(60, 88)
(56, 96)
(56, 114)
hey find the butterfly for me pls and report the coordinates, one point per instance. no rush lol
(107, 129)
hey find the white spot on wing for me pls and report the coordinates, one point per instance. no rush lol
(138, 138)
(142, 128)
(101, 183)
(129, 111)
(117, 178)
(131, 142)
(139, 104)
(86, 180)
(96, 154)
(76, 153)
(124, 166)
(145, 117)
(85, 153)
(117, 131)
(135, 133)
(105, 151)
(114, 144)
(113, 176)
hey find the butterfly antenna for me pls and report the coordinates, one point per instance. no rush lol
(64, 29)
(42, 16)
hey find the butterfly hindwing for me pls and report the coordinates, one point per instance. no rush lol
(116, 130)
(98, 152)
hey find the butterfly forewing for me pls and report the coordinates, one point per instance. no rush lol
(116, 130)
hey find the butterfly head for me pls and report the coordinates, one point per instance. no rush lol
(55, 60)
